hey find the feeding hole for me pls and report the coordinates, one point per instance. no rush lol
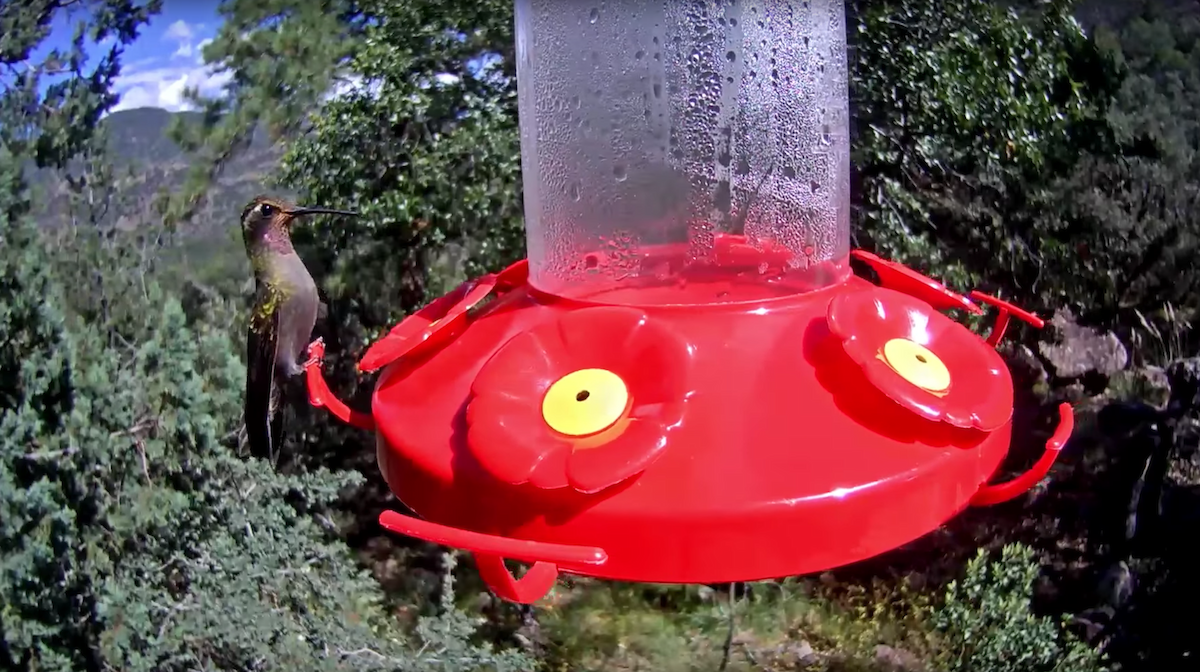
(582, 395)
(921, 359)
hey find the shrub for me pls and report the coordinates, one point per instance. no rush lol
(988, 625)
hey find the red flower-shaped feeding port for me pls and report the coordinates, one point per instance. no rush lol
(585, 401)
(429, 327)
(904, 279)
(921, 359)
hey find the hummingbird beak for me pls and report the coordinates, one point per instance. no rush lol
(300, 212)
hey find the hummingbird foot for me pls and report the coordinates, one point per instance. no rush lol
(316, 352)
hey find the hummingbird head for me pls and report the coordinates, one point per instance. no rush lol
(267, 223)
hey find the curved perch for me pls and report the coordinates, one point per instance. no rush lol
(320, 396)
(1002, 492)
(490, 550)
(901, 278)
(1006, 310)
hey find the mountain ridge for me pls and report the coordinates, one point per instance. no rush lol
(146, 161)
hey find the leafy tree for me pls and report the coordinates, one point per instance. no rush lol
(968, 114)
(47, 496)
(132, 537)
(423, 141)
(284, 56)
(426, 146)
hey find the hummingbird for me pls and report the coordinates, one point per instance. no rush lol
(286, 306)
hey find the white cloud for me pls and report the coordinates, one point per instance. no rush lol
(160, 82)
(163, 86)
(179, 31)
(184, 36)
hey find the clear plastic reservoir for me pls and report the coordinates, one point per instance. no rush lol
(684, 152)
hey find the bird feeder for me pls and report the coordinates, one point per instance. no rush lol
(686, 364)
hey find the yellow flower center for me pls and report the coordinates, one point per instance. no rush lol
(916, 364)
(585, 402)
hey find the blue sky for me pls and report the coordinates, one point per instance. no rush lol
(165, 58)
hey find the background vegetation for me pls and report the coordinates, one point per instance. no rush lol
(1045, 150)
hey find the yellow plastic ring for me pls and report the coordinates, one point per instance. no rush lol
(916, 364)
(585, 402)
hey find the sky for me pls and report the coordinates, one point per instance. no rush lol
(164, 59)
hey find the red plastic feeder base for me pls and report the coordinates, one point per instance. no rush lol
(642, 443)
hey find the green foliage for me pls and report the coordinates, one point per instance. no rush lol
(200, 528)
(982, 622)
(49, 510)
(424, 143)
(57, 125)
(132, 537)
(283, 56)
(169, 551)
(966, 115)
(432, 164)
(46, 610)
(987, 622)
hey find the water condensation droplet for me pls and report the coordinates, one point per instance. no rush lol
(683, 140)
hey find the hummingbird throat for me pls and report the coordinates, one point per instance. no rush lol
(277, 239)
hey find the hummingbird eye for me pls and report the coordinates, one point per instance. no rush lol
(266, 209)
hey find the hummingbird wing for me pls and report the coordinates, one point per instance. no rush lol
(262, 342)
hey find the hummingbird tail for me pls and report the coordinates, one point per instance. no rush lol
(263, 425)
(276, 426)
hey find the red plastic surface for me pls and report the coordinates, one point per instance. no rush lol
(429, 327)
(320, 396)
(736, 269)
(901, 278)
(490, 551)
(980, 394)
(749, 425)
(505, 430)
(1002, 492)
(1005, 309)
